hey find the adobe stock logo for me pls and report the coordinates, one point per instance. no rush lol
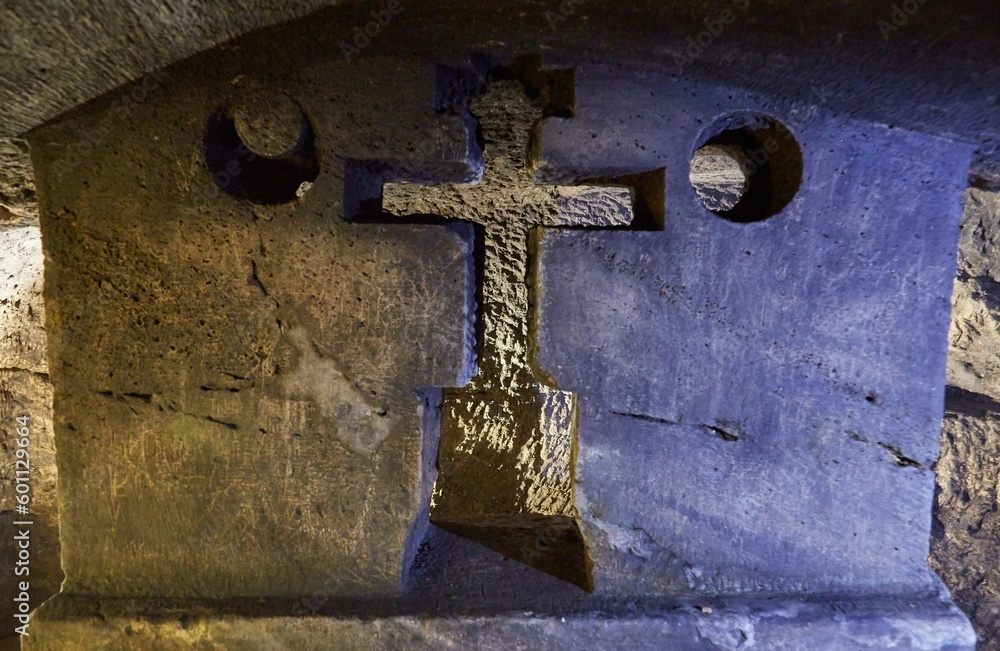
(696, 45)
(899, 18)
(566, 9)
(362, 36)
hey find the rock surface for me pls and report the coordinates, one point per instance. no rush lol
(17, 184)
(755, 361)
(967, 526)
(24, 386)
(717, 178)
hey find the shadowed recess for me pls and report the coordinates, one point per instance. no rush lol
(244, 170)
(763, 152)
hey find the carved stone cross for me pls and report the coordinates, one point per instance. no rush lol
(508, 439)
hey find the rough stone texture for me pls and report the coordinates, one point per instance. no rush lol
(17, 184)
(25, 391)
(757, 361)
(964, 547)
(22, 310)
(974, 363)
(237, 385)
(979, 242)
(270, 124)
(967, 529)
(717, 177)
(54, 58)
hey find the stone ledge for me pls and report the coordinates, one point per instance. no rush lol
(872, 622)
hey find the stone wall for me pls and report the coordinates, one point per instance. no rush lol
(24, 385)
(967, 522)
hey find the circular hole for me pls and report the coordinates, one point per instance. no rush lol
(260, 147)
(747, 169)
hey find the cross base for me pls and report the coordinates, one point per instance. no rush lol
(549, 543)
(505, 476)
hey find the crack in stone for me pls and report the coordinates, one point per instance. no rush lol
(647, 418)
(721, 433)
(716, 429)
(254, 279)
(17, 369)
(899, 458)
(232, 426)
(151, 399)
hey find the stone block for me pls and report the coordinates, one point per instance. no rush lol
(752, 416)
(240, 386)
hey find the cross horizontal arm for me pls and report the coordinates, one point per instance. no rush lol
(593, 206)
(445, 200)
(554, 206)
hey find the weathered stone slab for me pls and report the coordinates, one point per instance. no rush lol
(240, 387)
(295, 466)
(760, 402)
(974, 363)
